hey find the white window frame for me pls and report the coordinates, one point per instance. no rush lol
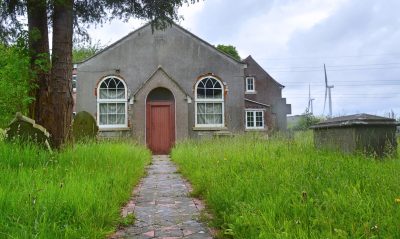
(253, 83)
(222, 100)
(253, 111)
(99, 101)
(74, 79)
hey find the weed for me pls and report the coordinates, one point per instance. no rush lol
(280, 188)
(73, 193)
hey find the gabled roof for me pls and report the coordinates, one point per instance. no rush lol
(172, 25)
(250, 59)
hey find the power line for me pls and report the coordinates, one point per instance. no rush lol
(329, 57)
(333, 70)
(328, 66)
(369, 84)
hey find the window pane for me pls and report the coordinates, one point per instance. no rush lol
(120, 118)
(209, 83)
(120, 94)
(103, 94)
(103, 108)
(111, 83)
(201, 93)
(209, 119)
(209, 108)
(120, 85)
(103, 119)
(104, 85)
(121, 108)
(250, 84)
(112, 119)
(218, 108)
(201, 108)
(201, 119)
(259, 119)
(250, 119)
(218, 119)
(217, 94)
(112, 108)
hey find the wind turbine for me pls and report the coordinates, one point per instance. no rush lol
(328, 93)
(310, 100)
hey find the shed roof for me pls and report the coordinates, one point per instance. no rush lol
(357, 119)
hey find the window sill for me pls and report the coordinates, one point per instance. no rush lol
(255, 129)
(250, 92)
(209, 128)
(114, 129)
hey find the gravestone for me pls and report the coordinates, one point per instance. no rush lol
(24, 129)
(84, 127)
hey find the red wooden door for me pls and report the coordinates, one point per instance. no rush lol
(160, 126)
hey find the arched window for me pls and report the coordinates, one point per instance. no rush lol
(209, 103)
(112, 104)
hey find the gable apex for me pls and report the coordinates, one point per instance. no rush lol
(173, 25)
(250, 61)
(159, 70)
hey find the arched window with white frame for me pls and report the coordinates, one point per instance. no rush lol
(209, 107)
(112, 107)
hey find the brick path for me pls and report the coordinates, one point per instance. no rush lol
(162, 206)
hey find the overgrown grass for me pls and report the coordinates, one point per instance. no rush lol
(278, 188)
(76, 193)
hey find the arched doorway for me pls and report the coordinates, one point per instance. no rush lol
(160, 120)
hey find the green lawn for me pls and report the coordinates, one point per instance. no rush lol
(76, 193)
(276, 188)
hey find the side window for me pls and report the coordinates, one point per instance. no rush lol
(74, 78)
(250, 84)
(254, 119)
(112, 103)
(209, 105)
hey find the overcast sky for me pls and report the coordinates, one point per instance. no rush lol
(358, 40)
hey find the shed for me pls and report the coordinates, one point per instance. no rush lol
(366, 133)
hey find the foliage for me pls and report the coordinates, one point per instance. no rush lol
(14, 82)
(2, 134)
(88, 12)
(306, 121)
(230, 50)
(83, 52)
(75, 193)
(278, 188)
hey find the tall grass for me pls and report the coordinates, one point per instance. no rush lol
(279, 188)
(76, 193)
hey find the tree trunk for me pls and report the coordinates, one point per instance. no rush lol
(60, 87)
(39, 52)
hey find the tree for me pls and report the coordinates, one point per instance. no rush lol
(306, 121)
(53, 96)
(82, 52)
(230, 50)
(14, 82)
